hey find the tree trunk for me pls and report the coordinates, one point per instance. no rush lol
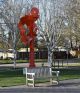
(49, 56)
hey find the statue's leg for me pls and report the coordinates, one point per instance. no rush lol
(28, 39)
(31, 55)
(23, 39)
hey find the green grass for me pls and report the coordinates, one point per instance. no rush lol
(67, 77)
(12, 81)
(11, 77)
(69, 74)
(14, 77)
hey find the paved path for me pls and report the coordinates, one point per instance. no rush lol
(21, 65)
(41, 90)
(37, 64)
(67, 86)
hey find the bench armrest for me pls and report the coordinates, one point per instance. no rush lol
(56, 72)
(30, 74)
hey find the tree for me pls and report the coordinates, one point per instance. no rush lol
(10, 13)
(72, 11)
(51, 24)
(57, 22)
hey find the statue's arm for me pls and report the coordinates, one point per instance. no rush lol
(22, 30)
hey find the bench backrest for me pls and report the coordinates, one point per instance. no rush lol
(39, 71)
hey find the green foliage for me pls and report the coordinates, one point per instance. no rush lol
(21, 61)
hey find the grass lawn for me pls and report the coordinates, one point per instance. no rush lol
(13, 77)
(69, 74)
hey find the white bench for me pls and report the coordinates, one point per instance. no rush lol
(36, 73)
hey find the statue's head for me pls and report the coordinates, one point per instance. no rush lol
(34, 13)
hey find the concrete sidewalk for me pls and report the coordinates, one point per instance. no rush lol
(70, 83)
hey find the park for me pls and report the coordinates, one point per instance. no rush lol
(40, 44)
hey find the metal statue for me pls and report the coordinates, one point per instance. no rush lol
(29, 38)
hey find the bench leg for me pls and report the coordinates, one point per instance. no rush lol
(26, 82)
(33, 83)
(51, 81)
(57, 79)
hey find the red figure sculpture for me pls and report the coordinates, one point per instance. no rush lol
(28, 39)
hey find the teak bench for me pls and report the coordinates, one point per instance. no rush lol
(36, 73)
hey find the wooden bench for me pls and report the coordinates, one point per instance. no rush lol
(36, 73)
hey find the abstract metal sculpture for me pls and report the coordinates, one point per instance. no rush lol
(29, 39)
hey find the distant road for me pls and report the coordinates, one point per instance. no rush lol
(20, 65)
(42, 90)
